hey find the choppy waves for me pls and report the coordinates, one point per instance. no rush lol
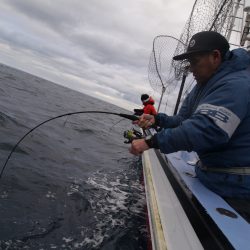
(116, 203)
(72, 183)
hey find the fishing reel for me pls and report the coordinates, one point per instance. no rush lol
(131, 135)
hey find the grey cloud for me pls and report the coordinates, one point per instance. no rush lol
(111, 50)
(99, 42)
(47, 12)
(19, 40)
(105, 45)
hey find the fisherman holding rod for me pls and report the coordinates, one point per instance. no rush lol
(214, 119)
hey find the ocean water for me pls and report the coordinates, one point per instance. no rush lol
(70, 184)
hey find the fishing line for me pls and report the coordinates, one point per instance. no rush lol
(127, 116)
(116, 124)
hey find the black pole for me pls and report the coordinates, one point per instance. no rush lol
(180, 93)
(162, 92)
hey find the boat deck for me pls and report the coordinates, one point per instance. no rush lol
(190, 215)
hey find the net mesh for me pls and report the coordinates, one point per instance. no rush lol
(217, 15)
(213, 15)
(161, 73)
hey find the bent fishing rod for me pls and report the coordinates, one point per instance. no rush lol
(127, 116)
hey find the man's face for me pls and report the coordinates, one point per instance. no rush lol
(204, 65)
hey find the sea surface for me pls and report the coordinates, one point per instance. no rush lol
(71, 183)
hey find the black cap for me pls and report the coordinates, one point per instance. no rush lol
(144, 97)
(205, 41)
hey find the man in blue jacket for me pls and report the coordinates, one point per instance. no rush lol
(214, 120)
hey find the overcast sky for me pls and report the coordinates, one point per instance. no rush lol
(99, 47)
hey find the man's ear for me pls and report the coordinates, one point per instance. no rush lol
(217, 56)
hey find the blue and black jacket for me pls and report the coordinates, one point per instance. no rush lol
(214, 120)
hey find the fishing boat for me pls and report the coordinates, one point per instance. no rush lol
(183, 213)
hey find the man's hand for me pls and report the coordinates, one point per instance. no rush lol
(138, 147)
(145, 121)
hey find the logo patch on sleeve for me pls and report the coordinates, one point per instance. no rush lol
(222, 117)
